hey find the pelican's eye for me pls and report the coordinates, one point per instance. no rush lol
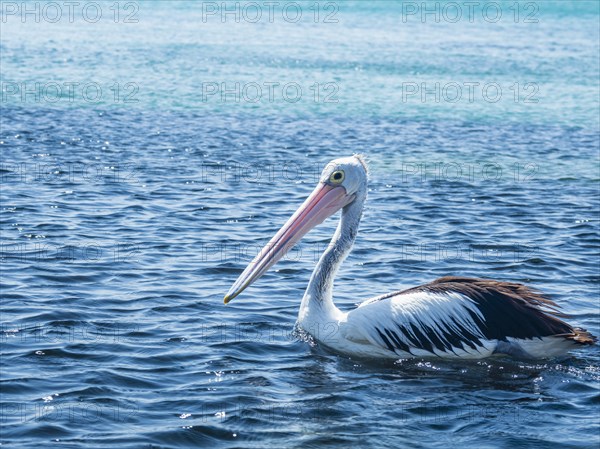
(337, 177)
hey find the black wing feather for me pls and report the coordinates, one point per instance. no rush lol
(508, 309)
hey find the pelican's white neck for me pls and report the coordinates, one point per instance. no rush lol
(317, 305)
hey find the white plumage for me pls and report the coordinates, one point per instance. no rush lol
(422, 324)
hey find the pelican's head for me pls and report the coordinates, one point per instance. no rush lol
(348, 172)
(342, 182)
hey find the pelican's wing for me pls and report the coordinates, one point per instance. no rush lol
(466, 318)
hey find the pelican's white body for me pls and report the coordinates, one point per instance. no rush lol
(354, 333)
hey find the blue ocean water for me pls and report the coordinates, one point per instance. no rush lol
(150, 151)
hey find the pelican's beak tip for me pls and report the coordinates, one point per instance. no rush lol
(229, 296)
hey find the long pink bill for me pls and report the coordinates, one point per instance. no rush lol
(323, 202)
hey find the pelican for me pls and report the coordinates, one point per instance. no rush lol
(451, 317)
